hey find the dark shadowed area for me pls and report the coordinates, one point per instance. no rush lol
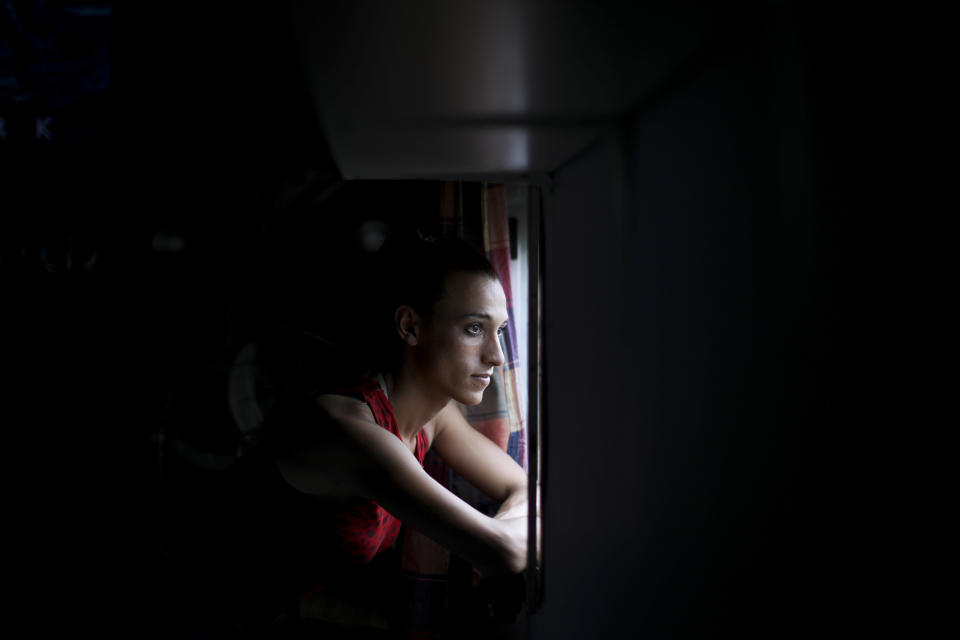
(725, 411)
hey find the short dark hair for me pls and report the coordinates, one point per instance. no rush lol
(413, 270)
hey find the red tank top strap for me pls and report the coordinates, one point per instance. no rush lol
(422, 445)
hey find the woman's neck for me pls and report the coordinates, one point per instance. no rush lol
(412, 404)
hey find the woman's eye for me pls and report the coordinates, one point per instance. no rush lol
(500, 331)
(474, 329)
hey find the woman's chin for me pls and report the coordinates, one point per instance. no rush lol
(470, 398)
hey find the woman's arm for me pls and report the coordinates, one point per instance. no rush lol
(354, 457)
(490, 469)
(481, 462)
(487, 467)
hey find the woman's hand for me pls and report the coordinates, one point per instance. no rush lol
(516, 504)
(514, 507)
(514, 530)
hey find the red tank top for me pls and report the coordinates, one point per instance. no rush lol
(363, 528)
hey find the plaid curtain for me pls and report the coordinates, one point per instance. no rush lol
(425, 565)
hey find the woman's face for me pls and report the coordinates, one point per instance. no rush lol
(459, 346)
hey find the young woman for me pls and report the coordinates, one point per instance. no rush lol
(364, 455)
(342, 466)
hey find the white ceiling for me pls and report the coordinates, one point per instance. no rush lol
(456, 88)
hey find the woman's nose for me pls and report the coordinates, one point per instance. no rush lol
(494, 355)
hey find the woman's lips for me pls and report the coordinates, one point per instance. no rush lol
(484, 377)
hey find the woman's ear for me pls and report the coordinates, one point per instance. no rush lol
(408, 324)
